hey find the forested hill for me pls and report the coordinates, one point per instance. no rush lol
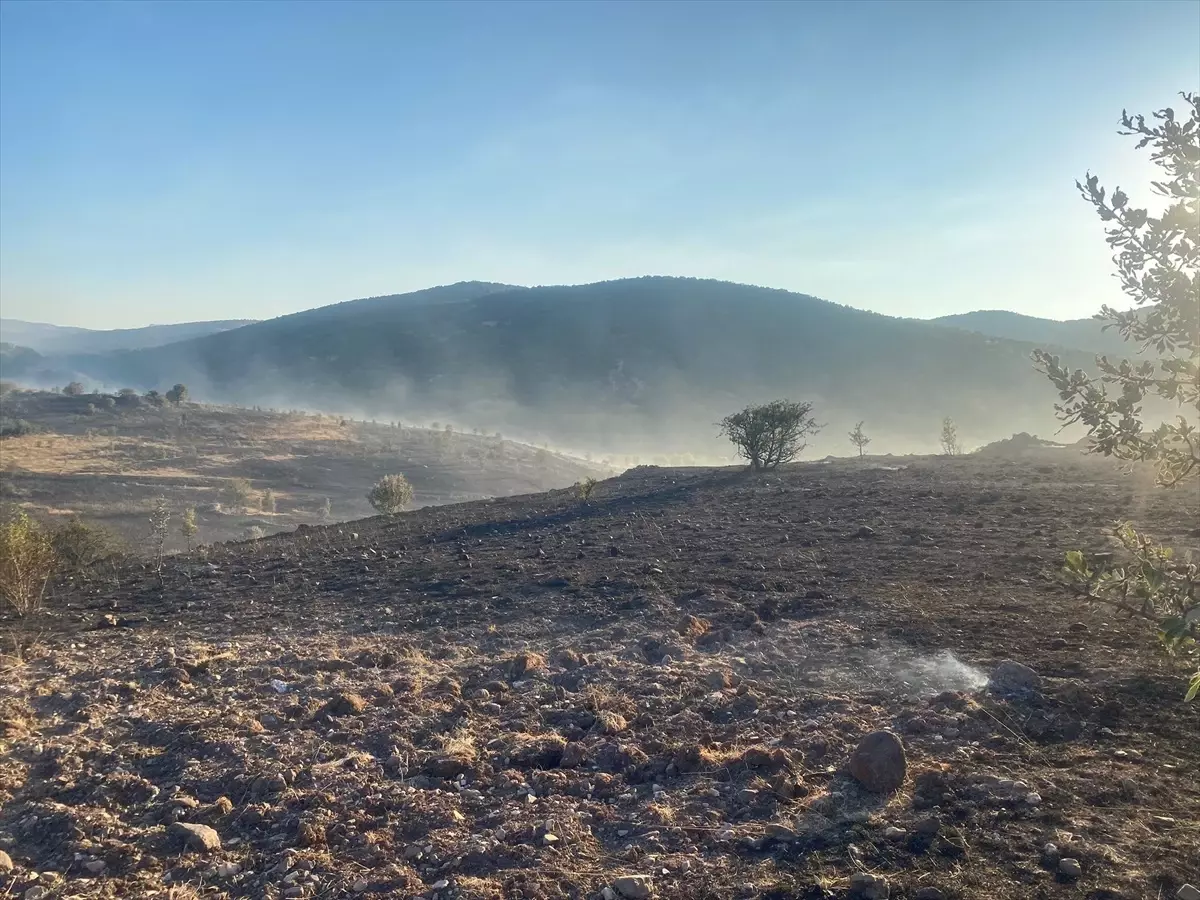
(652, 361)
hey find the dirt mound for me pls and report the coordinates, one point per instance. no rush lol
(657, 694)
(1016, 446)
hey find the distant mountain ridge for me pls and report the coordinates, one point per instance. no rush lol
(1077, 334)
(59, 339)
(653, 361)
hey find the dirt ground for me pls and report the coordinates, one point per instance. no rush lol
(108, 466)
(655, 694)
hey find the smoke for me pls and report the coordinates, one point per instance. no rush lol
(943, 671)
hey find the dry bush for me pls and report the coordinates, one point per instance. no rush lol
(27, 562)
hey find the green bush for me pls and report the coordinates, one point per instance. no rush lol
(769, 435)
(80, 546)
(27, 562)
(391, 494)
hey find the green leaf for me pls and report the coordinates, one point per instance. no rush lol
(1076, 564)
(1193, 688)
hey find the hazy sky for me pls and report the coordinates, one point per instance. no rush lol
(176, 161)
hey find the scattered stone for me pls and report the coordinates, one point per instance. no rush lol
(6, 863)
(1078, 628)
(1014, 678)
(892, 833)
(200, 838)
(549, 839)
(1069, 868)
(343, 705)
(1188, 892)
(359, 886)
(865, 531)
(633, 887)
(866, 886)
(95, 866)
(228, 869)
(878, 763)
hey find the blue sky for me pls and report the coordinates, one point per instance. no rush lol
(178, 161)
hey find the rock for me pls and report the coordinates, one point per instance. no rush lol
(549, 839)
(1059, 644)
(869, 887)
(343, 705)
(892, 833)
(200, 838)
(574, 756)
(718, 680)
(359, 886)
(633, 887)
(1011, 677)
(865, 531)
(1069, 868)
(1078, 628)
(1188, 892)
(6, 863)
(95, 866)
(228, 870)
(878, 763)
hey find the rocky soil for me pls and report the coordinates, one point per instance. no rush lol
(701, 684)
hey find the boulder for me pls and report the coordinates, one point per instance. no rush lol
(878, 763)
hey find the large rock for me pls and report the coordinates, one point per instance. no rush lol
(197, 837)
(878, 763)
(1188, 892)
(1014, 678)
(6, 863)
(633, 887)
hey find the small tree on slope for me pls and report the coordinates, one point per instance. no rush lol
(859, 440)
(770, 434)
(1158, 264)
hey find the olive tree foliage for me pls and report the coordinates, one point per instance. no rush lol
(391, 494)
(771, 434)
(1158, 264)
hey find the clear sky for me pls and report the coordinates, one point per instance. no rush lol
(177, 161)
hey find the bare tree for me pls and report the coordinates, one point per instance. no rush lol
(951, 445)
(859, 440)
(771, 434)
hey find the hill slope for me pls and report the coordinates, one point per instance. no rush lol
(622, 364)
(58, 339)
(533, 698)
(1076, 334)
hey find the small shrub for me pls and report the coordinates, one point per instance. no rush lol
(154, 398)
(238, 493)
(585, 489)
(391, 494)
(951, 445)
(80, 546)
(188, 527)
(178, 394)
(74, 389)
(127, 398)
(27, 562)
(107, 401)
(771, 434)
(160, 519)
(859, 440)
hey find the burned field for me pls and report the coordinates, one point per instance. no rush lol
(656, 694)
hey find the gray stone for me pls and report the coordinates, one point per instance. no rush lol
(1069, 868)
(200, 838)
(1188, 892)
(866, 886)
(633, 887)
(878, 763)
(1014, 678)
